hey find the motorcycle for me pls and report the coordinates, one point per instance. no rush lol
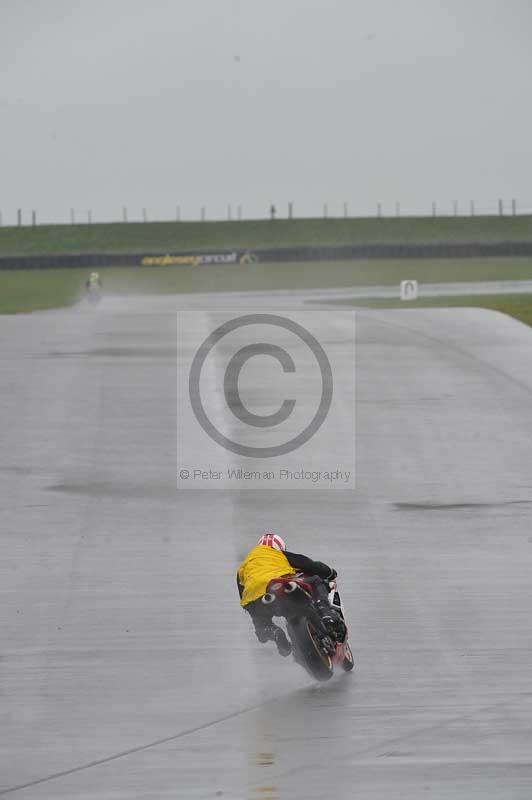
(314, 647)
(94, 294)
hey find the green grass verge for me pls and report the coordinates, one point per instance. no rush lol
(167, 236)
(36, 290)
(516, 305)
(30, 290)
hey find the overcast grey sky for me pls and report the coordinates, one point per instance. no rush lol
(210, 102)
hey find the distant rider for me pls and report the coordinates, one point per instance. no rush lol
(268, 560)
(94, 282)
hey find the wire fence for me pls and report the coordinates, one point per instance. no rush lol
(236, 213)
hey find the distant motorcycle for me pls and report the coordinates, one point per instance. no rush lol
(94, 293)
(313, 645)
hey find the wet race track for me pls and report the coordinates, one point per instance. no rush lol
(127, 668)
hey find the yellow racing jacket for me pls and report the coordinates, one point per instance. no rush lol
(259, 567)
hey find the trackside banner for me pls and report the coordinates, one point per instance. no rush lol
(271, 255)
(194, 260)
(66, 260)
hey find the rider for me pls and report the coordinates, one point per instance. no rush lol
(268, 560)
(94, 281)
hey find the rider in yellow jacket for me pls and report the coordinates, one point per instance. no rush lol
(268, 560)
(94, 281)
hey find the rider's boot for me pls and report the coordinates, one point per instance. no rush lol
(283, 645)
(268, 632)
(265, 631)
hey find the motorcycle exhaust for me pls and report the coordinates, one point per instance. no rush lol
(268, 599)
(290, 587)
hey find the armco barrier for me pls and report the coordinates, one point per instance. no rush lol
(270, 255)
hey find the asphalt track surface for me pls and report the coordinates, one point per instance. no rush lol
(127, 669)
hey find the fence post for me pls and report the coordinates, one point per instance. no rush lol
(33, 218)
(124, 214)
(229, 212)
(433, 208)
(178, 213)
(500, 208)
(203, 213)
(514, 207)
(0, 219)
(290, 210)
(398, 209)
(72, 217)
(89, 217)
(379, 210)
(325, 210)
(144, 215)
(345, 211)
(455, 208)
(472, 208)
(19, 217)
(239, 212)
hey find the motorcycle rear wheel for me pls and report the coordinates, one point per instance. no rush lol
(307, 650)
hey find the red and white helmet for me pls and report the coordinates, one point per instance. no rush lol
(269, 539)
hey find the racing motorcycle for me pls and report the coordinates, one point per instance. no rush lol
(93, 294)
(315, 647)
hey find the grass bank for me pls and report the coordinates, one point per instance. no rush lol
(516, 305)
(174, 236)
(30, 290)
